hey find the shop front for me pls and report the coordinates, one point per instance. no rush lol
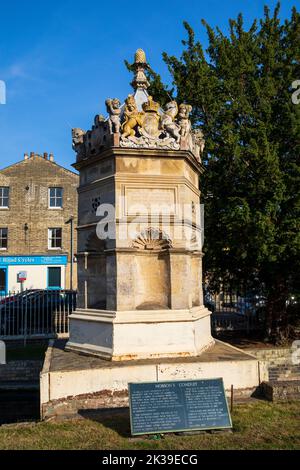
(32, 272)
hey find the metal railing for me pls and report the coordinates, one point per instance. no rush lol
(236, 311)
(42, 313)
(36, 313)
(228, 322)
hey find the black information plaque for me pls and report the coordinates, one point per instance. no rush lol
(189, 405)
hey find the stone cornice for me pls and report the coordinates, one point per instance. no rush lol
(141, 153)
(129, 178)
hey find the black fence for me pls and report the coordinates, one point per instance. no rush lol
(36, 313)
(236, 311)
(39, 313)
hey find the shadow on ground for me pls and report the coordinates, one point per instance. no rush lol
(116, 419)
(243, 341)
(19, 405)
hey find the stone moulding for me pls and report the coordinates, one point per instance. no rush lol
(142, 316)
(146, 142)
(115, 152)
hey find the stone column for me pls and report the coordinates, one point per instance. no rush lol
(180, 272)
(111, 280)
(125, 281)
(196, 261)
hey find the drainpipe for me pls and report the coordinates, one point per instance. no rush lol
(71, 222)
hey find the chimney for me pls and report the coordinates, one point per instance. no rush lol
(26, 156)
(45, 155)
(51, 157)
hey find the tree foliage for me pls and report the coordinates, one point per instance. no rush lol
(241, 89)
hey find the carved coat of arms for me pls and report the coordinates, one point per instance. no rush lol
(151, 119)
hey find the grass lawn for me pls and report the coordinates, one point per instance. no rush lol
(257, 425)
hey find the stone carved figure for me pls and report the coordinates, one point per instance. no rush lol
(199, 140)
(99, 119)
(167, 121)
(132, 117)
(77, 137)
(144, 123)
(114, 111)
(183, 119)
(78, 142)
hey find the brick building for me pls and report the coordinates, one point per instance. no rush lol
(37, 198)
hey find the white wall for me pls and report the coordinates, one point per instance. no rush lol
(36, 277)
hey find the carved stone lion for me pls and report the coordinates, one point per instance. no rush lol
(168, 123)
(132, 117)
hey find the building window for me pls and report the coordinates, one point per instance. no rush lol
(55, 198)
(3, 238)
(54, 238)
(4, 196)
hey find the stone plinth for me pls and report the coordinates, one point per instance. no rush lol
(71, 382)
(142, 334)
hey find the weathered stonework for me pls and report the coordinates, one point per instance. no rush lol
(140, 314)
(72, 383)
(140, 293)
(139, 267)
(281, 391)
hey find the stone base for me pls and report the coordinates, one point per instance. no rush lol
(142, 334)
(71, 382)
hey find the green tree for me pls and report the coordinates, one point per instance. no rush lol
(240, 90)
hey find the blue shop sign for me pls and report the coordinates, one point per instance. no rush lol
(33, 260)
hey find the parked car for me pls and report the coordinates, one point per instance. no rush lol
(250, 304)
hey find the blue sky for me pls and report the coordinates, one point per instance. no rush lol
(61, 59)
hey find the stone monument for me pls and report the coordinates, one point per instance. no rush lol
(139, 232)
(140, 315)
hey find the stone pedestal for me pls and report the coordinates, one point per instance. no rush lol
(146, 334)
(140, 305)
(140, 289)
